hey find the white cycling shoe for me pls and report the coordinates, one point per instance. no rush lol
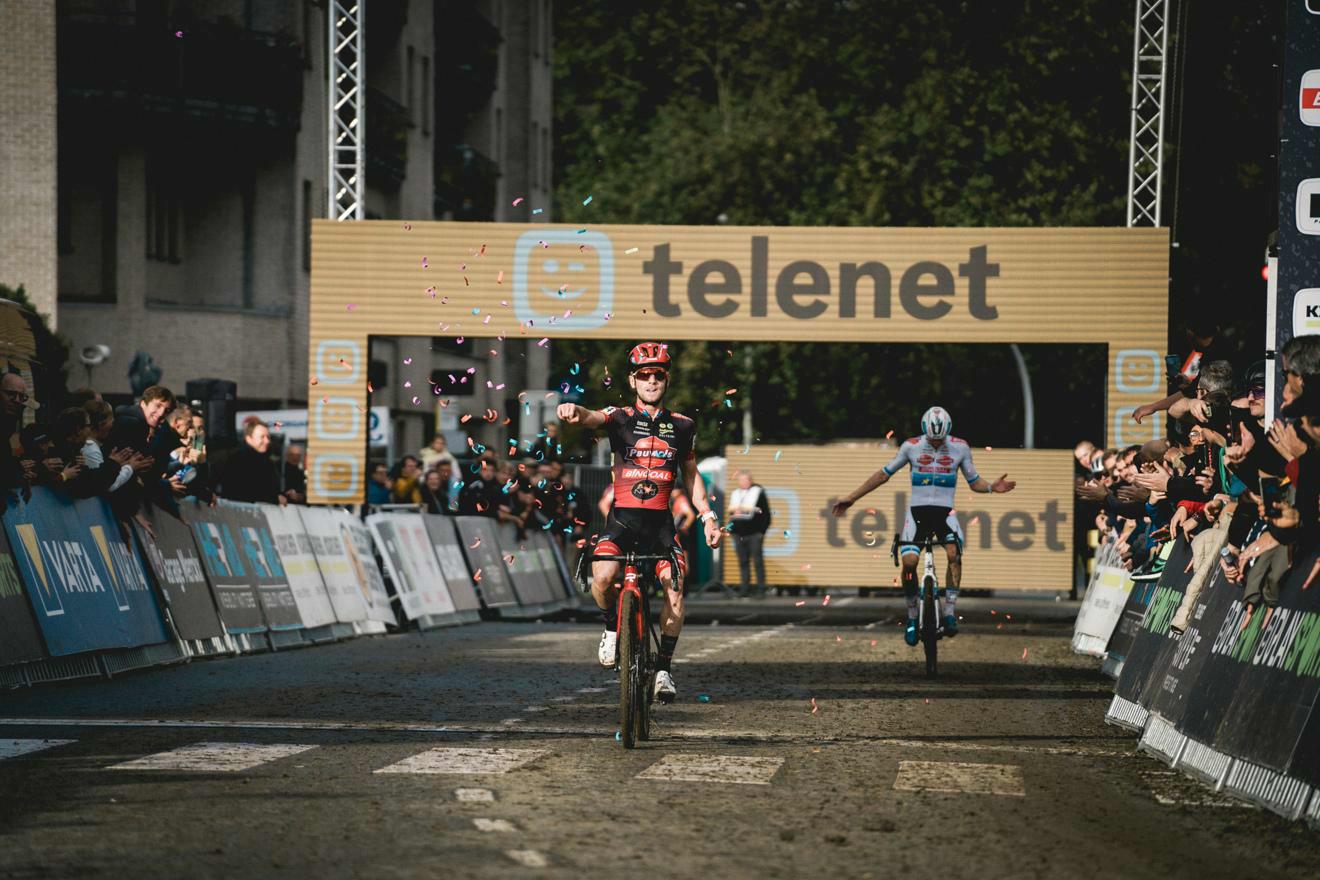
(608, 653)
(665, 692)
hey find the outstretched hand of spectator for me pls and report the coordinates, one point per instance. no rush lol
(1090, 491)
(1156, 480)
(54, 464)
(1199, 409)
(1285, 440)
(121, 457)
(69, 472)
(1146, 409)
(1131, 494)
(179, 488)
(29, 469)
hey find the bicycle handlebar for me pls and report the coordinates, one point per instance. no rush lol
(634, 558)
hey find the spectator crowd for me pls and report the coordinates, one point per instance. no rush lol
(1244, 493)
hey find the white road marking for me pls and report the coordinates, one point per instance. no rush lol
(528, 858)
(591, 690)
(12, 748)
(490, 730)
(465, 761)
(536, 708)
(496, 825)
(565, 699)
(713, 768)
(214, 757)
(474, 795)
(509, 722)
(1002, 779)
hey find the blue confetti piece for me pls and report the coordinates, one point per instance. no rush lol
(536, 210)
(788, 533)
(582, 232)
(618, 736)
(587, 201)
(575, 369)
(476, 311)
(703, 698)
(778, 452)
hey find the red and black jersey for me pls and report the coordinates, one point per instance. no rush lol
(648, 453)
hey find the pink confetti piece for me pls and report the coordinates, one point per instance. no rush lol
(407, 227)
(407, 361)
(416, 400)
(499, 279)
(544, 341)
(827, 600)
(518, 201)
(799, 604)
(425, 265)
(889, 435)
(1024, 653)
(814, 707)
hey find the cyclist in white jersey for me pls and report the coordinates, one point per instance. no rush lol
(935, 459)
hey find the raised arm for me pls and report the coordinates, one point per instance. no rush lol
(873, 482)
(696, 489)
(580, 415)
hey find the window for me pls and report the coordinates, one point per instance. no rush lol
(164, 210)
(535, 158)
(498, 136)
(426, 94)
(409, 92)
(307, 225)
(87, 226)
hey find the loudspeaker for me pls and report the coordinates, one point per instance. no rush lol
(218, 406)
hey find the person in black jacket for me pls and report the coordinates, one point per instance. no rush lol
(250, 475)
(749, 519)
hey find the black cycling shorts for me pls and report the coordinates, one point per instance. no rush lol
(648, 532)
(939, 522)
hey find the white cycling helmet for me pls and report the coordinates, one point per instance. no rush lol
(936, 423)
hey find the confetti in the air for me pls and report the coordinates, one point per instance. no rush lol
(536, 210)
(631, 251)
(814, 707)
(518, 201)
(587, 201)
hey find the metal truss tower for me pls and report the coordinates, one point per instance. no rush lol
(1146, 148)
(347, 73)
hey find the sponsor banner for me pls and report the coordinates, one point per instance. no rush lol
(1129, 623)
(242, 565)
(411, 563)
(295, 549)
(327, 531)
(1183, 675)
(361, 551)
(177, 566)
(1108, 593)
(804, 284)
(19, 639)
(552, 564)
(1297, 302)
(1280, 680)
(1221, 672)
(482, 549)
(1154, 642)
(1018, 541)
(524, 568)
(444, 540)
(88, 589)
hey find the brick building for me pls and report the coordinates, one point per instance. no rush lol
(160, 179)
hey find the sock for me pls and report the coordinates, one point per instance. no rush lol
(950, 601)
(667, 644)
(611, 617)
(910, 592)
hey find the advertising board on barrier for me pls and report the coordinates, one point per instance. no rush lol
(242, 566)
(1102, 606)
(1129, 623)
(406, 548)
(789, 284)
(482, 549)
(361, 552)
(444, 540)
(1280, 679)
(19, 640)
(1019, 541)
(295, 552)
(88, 589)
(173, 558)
(1154, 643)
(524, 568)
(327, 532)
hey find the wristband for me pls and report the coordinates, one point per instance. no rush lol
(708, 516)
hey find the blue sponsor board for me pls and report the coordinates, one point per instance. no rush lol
(89, 591)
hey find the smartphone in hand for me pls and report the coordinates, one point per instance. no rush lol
(1272, 493)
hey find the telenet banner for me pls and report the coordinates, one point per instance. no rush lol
(808, 284)
(1020, 540)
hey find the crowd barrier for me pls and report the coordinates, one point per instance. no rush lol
(80, 597)
(1234, 699)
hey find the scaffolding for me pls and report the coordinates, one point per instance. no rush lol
(347, 74)
(1150, 43)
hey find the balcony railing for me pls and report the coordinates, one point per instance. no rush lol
(465, 184)
(132, 67)
(388, 123)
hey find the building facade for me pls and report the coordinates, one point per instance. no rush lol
(184, 148)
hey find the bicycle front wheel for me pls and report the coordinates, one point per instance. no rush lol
(630, 671)
(930, 626)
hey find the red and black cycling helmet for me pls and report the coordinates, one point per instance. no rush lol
(648, 354)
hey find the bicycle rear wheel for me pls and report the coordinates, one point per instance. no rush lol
(930, 626)
(629, 673)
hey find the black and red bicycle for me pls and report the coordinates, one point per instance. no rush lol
(639, 641)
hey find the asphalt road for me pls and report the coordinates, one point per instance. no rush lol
(489, 751)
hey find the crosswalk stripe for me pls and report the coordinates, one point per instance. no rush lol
(12, 748)
(474, 795)
(215, 757)
(713, 768)
(950, 776)
(497, 825)
(465, 761)
(528, 858)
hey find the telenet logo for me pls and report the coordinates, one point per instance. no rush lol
(572, 288)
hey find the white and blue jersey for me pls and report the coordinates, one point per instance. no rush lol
(934, 470)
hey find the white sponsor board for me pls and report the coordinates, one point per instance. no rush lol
(295, 548)
(1103, 604)
(406, 549)
(347, 561)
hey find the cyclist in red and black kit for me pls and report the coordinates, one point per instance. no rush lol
(653, 449)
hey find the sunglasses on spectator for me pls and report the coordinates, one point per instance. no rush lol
(1256, 394)
(657, 375)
